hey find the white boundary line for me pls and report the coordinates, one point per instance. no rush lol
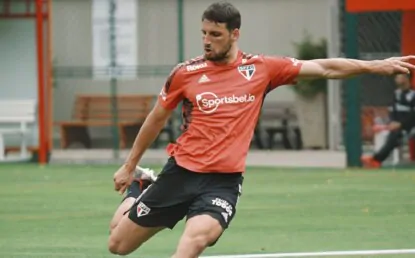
(320, 254)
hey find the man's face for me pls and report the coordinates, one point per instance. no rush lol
(402, 81)
(217, 40)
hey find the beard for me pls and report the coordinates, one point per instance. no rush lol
(220, 56)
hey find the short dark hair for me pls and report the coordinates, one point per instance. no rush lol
(223, 12)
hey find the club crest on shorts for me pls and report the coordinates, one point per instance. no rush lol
(142, 209)
(247, 71)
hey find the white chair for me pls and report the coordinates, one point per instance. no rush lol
(16, 116)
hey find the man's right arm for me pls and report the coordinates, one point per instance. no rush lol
(149, 131)
(168, 99)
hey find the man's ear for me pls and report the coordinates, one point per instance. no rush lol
(235, 34)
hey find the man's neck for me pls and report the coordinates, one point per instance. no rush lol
(233, 56)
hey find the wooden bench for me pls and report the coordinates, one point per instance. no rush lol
(15, 118)
(97, 111)
(276, 118)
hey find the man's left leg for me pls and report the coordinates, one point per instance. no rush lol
(209, 216)
(143, 179)
(200, 232)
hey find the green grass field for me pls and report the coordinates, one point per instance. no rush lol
(64, 211)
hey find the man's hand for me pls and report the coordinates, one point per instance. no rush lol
(396, 65)
(123, 178)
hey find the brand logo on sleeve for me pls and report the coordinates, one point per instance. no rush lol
(195, 67)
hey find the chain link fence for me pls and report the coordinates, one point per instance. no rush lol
(378, 37)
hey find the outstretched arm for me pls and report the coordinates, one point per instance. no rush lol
(341, 68)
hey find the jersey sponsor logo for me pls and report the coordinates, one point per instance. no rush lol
(224, 205)
(247, 71)
(195, 67)
(209, 102)
(142, 209)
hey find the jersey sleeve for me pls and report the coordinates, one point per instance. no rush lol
(282, 70)
(172, 92)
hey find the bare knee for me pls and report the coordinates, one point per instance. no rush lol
(193, 246)
(113, 225)
(121, 211)
(117, 246)
(198, 243)
(201, 231)
(127, 236)
(113, 246)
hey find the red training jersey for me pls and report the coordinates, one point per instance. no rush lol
(221, 107)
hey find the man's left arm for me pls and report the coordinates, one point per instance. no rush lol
(342, 68)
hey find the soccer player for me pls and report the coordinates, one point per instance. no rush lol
(222, 93)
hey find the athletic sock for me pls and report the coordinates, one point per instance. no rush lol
(136, 188)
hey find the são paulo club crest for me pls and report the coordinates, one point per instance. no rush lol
(247, 71)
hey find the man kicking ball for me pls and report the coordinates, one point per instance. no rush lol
(222, 94)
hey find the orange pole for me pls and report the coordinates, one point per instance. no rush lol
(41, 83)
(408, 36)
(50, 75)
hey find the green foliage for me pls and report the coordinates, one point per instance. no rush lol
(308, 49)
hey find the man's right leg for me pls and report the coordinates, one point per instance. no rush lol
(162, 205)
(145, 220)
(125, 205)
(127, 236)
(143, 178)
